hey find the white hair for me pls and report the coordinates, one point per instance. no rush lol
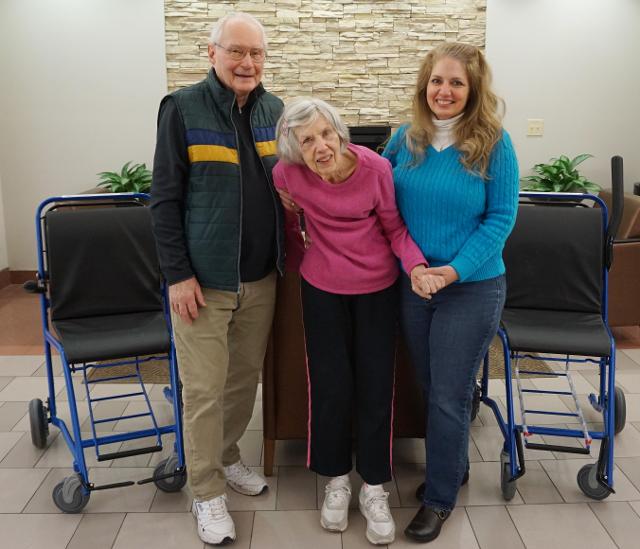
(218, 26)
(300, 112)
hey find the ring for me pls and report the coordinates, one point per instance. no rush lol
(293, 204)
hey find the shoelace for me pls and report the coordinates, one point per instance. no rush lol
(240, 470)
(214, 509)
(337, 495)
(378, 506)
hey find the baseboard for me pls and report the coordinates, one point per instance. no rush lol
(20, 277)
(5, 277)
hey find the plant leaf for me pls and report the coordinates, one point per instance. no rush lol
(580, 159)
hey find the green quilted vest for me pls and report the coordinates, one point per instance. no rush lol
(213, 201)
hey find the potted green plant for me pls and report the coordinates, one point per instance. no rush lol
(130, 179)
(560, 176)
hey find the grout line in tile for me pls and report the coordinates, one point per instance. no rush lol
(36, 490)
(515, 526)
(75, 530)
(119, 529)
(253, 524)
(466, 511)
(634, 509)
(619, 471)
(603, 524)
(551, 480)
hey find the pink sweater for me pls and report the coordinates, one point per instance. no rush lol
(354, 226)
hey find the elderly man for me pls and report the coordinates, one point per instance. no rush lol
(218, 226)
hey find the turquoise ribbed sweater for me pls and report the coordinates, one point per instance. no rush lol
(455, 217)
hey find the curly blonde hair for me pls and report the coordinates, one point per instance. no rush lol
(480, 127)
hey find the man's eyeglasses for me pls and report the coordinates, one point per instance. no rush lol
(238, 54)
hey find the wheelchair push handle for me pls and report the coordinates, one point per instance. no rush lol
(617, 207)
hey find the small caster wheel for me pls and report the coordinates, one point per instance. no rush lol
(620, 413)
(167, 467)
(38, 423)
(588, 482)
(70, 496)
(475, 405)
(508, 487)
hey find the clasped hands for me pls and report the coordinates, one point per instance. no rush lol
(426, 281)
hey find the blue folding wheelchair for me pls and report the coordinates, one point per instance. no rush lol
(557, 259)
(103, 304)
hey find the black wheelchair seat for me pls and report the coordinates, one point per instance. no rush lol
(561, 332)
(113, 336)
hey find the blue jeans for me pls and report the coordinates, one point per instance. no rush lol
(447, 337)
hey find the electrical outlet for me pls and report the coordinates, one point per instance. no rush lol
(535, 126)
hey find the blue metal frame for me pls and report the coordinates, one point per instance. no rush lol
(604, 402)
(73, 438)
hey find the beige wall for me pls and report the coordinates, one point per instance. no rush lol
(81, 83)
(4, 259)
(573, 63)
(362, 56)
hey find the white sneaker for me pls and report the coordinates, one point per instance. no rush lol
(244, 480)
(334, 515)
(374, 506)
(215, 524)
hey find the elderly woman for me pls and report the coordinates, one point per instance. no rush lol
(456, 179)
(344, 200)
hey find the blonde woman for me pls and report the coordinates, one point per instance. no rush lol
(456, 179)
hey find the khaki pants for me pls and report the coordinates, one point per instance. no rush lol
(220, 357)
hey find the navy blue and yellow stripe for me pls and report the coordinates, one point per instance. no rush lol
(265, 140)
(213, 146)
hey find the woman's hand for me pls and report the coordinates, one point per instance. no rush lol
(447, 272)
(287, 201)
(424, 283)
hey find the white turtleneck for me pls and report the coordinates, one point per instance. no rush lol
(444, 136)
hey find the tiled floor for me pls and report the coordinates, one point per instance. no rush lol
(547, 511)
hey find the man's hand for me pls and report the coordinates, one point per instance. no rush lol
(424, 283)
(185, 298)
(287, 201)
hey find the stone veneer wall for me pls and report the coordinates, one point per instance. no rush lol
(361, 56)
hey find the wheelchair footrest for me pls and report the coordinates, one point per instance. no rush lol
(128, 453)
(161, 477)
(114, 485)
(557, 448)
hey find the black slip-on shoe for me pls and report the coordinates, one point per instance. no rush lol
(426, 525)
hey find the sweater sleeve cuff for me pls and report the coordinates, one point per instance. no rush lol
(410, 263)
(463, 267)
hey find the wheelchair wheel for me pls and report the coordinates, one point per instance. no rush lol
(38, 423)
(69, 495)
(620, 414)
(508, 487)
(588, 482)
(475, 406)
(167, 467)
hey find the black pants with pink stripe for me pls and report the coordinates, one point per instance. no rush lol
(350, 351)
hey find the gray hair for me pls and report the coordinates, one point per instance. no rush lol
(218, 26)
(300, 112)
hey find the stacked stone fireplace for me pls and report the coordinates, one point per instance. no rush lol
(361, 56)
